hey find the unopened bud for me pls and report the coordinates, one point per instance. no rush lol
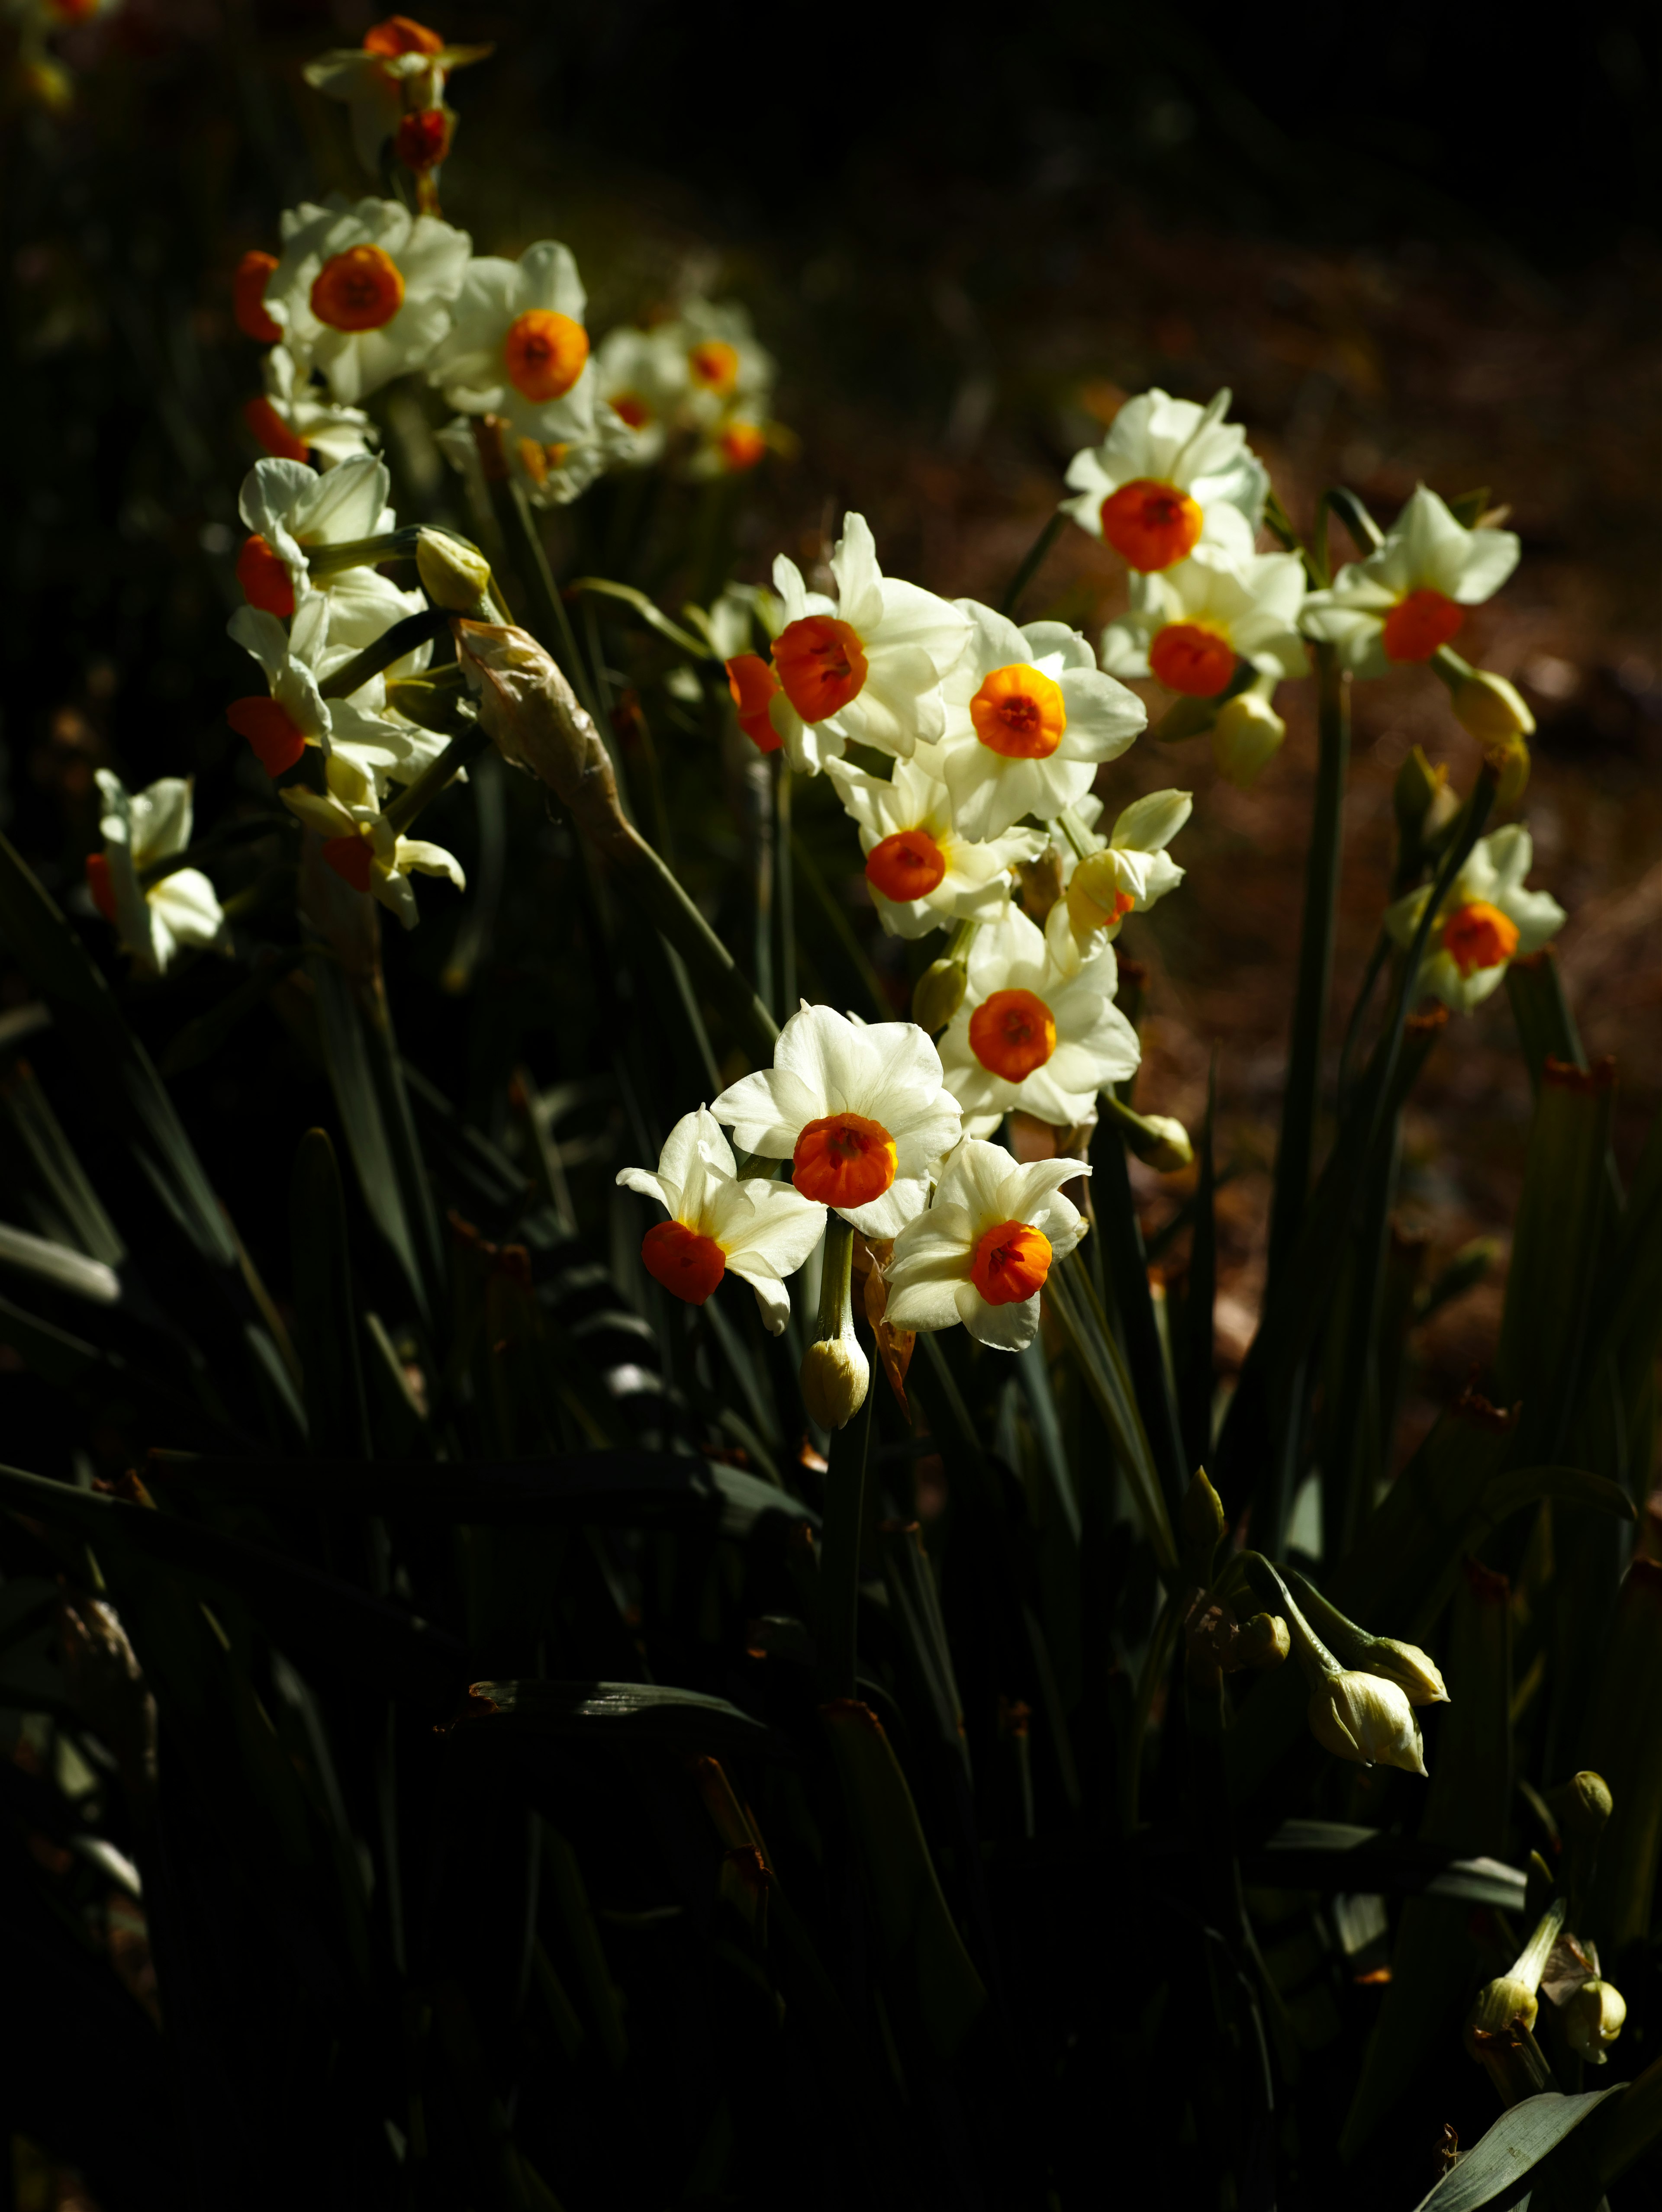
(1365, 1718)
(1492, 710)
(1413, 1672)
(454, 576)
(835, 1374)
(1509, 760)
(1205, 1526)
(1246, 736)
(1583, 1807)
(1507, 2000)
(1593, 2018)
(1159, 1141)
(1265, 1641)
(938, 994)
(1103, 890)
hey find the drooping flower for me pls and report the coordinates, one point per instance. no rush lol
(921, 870)
(858, 1109)
(1031, 1039)
(291, 510)
(363, 293)
(139, 829)
(867, 668)
(1486, 920)
(517, 346)
(1169, 476)
(1409, 597)
(718, 1221)
(1189, 626)
(399, 69)
(1126, 873)
(361, 846)
(1028, 719)
(293, 419)
(981, 1254)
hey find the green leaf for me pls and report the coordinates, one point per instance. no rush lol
(74, 1214)
(1336, 1855)
(199, 1040)
(1127, 1263)
(59, 1267)
(1493, 2169)
(336, 1420)
(1619, 1741)
(634, 1715)
(654, 616)
(1070, 1294)
(1570, 1486)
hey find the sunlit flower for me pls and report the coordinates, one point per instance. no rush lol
(1031, 1039)
(760, 1231)
(1486, 920)
(291, 510)
(295, 713)
(1408, 598)
(363, 293)
(361, 846)
(1126, 873)
(293, 419)
(858, 1109)
(865, 669)
(727, 371)
(1028, 719)
(399, 69)
(1169, 476)
(140, 828)
(982, 1252)
(1188, 626)
(1593, 2018)
(639, 378)
(921, 870)
(517, 346)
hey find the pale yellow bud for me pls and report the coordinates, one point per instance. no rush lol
(1201, 1515)
(834, 1375)
(1102, 891)
(1245, 737)
(1492, 710)
(1593, 2018)
(454, 575)
(1414, 1672)
(938, 994)
(1265, 1641)
(1367, 1719)
(1159, 1142)
(1498, 2004)
(1583, 1806)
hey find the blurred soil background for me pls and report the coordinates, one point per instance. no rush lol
(1416, 247)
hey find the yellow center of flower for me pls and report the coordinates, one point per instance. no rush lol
(1417, 625)
(1151, 525)
(714, 366)
(1010, 1262)
(1192, 657)
(907, 866)
(1012, 1033)
(1018, 712)
(843, 1160)
(821, 665)
(1479, 936)
(360, 290)
(544, 354)
(688, 1266)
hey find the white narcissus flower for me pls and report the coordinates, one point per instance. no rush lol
(921, 872)
(1188, 626)
(762, 1231)
(1028, 719)
(139, 829)
(292, 418)
(363, 293)
(858, 1109)
(726, 372)
(1031, 1039)
(865, 669)
(361, 846)
(1365, 1718)
(1486, 920)
(295, 714)
(400, 69)
(640, 379)
(1169, 476)
(517, 346)
(1126, 873)
(1408, 598)
(982, 1252)
(290, 509)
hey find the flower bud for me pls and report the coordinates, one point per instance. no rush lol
(1584, 1807)
(1103, 887)
(1202, 1522)
(1366, 1718)
(938, 995)
(834, 1375)
(1159, 1141)
(454, 577)
(1246, 736)
(1509, 1999)
(1491, 709)
(1413, 1672)
(1509, 760)
(1265, 1641)
(1593, 2018)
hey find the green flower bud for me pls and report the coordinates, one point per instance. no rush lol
(1593, 2019)
(1508, 1999)
(1246, 736)
(454, 576)
(1583, 1807)
(1203, 1526)
(938, 995)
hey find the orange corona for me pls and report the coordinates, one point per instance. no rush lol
(820, 665)
(1010, 1262)
(1018, 712)
(544, 354)
(401, 34)
(688, 1266)
(1479, 936)
(1193, 658)
(714, 366)
(265, 579)
(272, 432)
(843, 1160)
(360, 290)
(1150, 525)
(742, 446)
(1417, 625)
(350, 858)
(253, 273)
(629, 407)
(1012, 1033)
(907, 865)
(754, 685)
(98, 885)
(277, 743)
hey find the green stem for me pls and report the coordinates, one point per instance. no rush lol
(458, 754)
(1036, 555)
(1366, 534)
(784, 857)
(550, 624)
(1303, 1060)
(830, 907)
(393, 645)
(362, 552)
(837, 1651)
